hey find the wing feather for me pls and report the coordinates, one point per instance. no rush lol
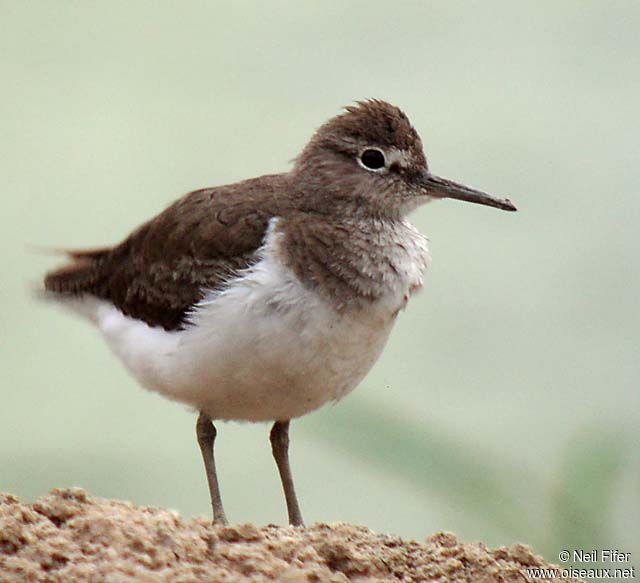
(163, 268)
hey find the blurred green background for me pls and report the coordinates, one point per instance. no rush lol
(506, 406)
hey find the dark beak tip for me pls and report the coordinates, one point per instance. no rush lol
(509, 206)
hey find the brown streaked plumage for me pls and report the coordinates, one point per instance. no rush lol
(159, 272)
(264, 299)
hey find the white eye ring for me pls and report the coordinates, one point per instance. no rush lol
(372, 159)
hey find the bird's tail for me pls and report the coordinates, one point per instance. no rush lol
(81, 274)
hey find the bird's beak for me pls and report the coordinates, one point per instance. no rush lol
(442, 188)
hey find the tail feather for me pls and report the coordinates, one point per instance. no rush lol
(94, 254)
(82, 274)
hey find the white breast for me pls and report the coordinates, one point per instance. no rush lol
(265, 348)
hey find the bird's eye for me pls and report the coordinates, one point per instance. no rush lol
(372, 159)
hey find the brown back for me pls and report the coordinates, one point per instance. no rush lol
(159, 272)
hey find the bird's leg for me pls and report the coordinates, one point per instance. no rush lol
(280, 447)
(206, 432)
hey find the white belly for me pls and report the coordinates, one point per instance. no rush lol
(265, 348)
(254, 352)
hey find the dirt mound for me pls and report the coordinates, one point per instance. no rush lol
(69, 536)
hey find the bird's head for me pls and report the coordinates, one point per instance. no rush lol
(370, 159)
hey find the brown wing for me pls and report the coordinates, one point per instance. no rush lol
(160, 271)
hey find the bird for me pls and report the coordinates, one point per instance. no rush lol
(265, 299)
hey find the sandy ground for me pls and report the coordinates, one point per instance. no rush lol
(68, 536)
